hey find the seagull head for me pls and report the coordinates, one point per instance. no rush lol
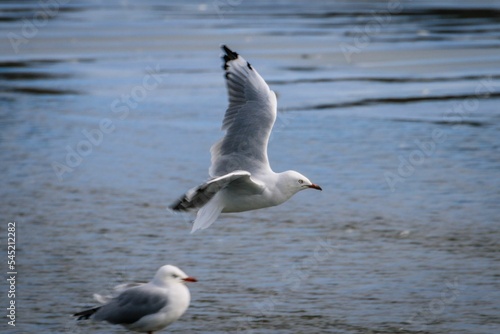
(297, 182)
(171, 274)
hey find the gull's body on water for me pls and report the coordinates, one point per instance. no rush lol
(241, 177)
(145, 307)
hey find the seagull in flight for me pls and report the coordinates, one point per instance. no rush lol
(241, 178)
(145, 307)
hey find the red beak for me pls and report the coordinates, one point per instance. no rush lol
(315, 186)
(190, 279)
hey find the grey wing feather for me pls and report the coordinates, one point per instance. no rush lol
(199, 196)
(131, 305)
(104, 299)
(248, 121)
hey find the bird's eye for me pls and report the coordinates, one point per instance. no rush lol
(301, 181)
(175, 275)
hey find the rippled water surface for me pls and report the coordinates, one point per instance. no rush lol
(392, 107)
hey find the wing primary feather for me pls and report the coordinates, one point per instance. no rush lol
(201, 195)
(230, 55)
(84, 315)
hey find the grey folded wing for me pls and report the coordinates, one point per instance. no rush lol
(132, 305)
(104, 299)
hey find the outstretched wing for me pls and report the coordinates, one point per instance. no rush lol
(248, 121)
(199, 196)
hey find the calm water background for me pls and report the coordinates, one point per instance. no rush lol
(392, 107)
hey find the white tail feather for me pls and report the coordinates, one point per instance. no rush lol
(208, 214)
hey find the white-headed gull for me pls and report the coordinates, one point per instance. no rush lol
(241, 177)
(145, 307)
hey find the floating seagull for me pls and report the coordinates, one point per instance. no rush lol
(241, 177)
(145, 307)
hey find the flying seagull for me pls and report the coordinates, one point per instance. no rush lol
(145, 307)
(241, 177)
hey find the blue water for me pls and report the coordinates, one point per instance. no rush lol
(392, 107)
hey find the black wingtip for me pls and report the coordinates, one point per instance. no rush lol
(181, 205)
(84, 315)
(230, 55)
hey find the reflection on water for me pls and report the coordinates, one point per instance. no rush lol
(392, 110)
